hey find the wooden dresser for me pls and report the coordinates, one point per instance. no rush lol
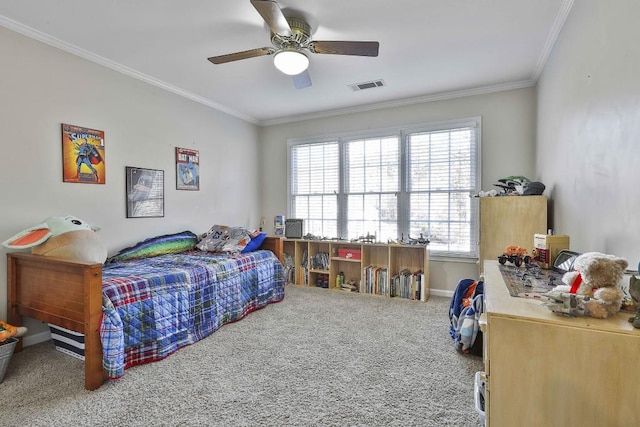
(544, 369)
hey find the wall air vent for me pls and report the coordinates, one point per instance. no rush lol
(367, 85)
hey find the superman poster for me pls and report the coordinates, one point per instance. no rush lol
(82, 155)
(187, 169)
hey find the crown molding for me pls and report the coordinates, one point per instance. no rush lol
(402, 102)
(558, 24)
(75, 50)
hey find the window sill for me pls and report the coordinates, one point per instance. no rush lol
(452, 258)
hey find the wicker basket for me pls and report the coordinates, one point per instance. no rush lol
(6, 351)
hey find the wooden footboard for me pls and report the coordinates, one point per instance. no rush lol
(68, 293)
(63, 292)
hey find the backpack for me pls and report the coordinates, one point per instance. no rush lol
(465, 309)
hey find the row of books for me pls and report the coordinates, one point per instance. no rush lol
(407, 284)
(375, 280)
(320, 261)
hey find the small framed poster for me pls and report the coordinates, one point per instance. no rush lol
(82, 155)
(145, 192)
(187, 169)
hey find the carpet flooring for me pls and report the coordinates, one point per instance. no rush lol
(318, 358)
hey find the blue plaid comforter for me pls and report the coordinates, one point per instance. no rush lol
(154, 306)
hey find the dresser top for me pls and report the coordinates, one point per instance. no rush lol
(500, 303)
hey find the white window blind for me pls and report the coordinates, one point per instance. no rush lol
(392, 183)
(315, 182)
(372, 182)
(442, 174)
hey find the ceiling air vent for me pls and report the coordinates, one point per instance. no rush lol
(367, 85)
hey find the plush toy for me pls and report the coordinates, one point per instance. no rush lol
(634, 290)
(61, 236)
(596, 277)
(7, 331)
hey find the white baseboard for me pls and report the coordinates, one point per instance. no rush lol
(36, 338)
(441, 293)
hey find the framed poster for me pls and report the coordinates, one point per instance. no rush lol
(187, 169)
(82, 155)
(145, 192)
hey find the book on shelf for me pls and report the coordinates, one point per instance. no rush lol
(409, 285)
(375, 280)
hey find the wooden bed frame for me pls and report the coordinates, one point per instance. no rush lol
(68, 293)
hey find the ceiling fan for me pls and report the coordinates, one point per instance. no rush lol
(291, 38)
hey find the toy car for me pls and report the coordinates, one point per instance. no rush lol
(515, 255)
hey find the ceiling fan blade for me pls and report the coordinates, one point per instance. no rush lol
(261, 51)
(273, 16)
(345, 48)
(302, 80)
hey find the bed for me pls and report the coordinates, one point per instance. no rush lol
(202, 291)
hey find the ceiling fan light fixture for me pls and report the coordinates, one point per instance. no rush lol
(291, 62)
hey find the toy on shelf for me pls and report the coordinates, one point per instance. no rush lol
(368, 238)
(510, 184)
(515, 255)
(411, 240)
(419, 240)
(350, 285)
(520, 185)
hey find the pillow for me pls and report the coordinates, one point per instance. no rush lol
(225, 239)
(255, 243)
(159, 245)
(214, 239)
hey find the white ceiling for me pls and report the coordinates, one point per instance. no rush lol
(429, 49)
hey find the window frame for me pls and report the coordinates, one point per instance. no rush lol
(402, 132)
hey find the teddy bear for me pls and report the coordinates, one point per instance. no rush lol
(595, 279)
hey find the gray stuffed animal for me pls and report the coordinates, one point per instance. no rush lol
(634, 290)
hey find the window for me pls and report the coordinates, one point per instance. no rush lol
(372, 183)
(316, 185)
(395, 184)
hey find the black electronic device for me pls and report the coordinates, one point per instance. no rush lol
(293, 228)
(564, 261)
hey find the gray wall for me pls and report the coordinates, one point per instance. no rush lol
(42, 87)
(588, 143)
(508, 141)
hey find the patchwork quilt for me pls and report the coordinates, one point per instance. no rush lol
(154, 306)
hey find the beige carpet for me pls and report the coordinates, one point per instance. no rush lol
(319, 358)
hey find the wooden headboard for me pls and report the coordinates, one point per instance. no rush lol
(275, 245)
(68, 293)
